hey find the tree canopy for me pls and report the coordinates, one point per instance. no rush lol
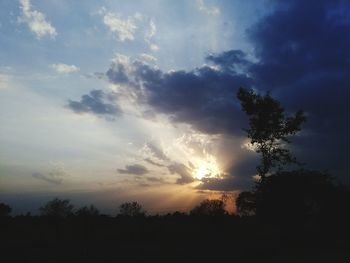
(57, 208)
(214, 207)
(131, 209)
(269, 129)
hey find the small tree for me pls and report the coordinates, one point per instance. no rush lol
(210, 208)
(269, 129)
(5, 210)
(131, 209)
(57, 208)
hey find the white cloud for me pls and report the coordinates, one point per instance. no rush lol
(148, 58)
(206, 9)
(35, 20)
(64, 68)
(152, 30)
(4, 81)
(124, 29)
(154, 47)
(150, 33)
(6, 77)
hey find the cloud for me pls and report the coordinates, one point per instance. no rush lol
(203, 98)
(183, 171)
(97, 102)
(150, 161)
(212, 10)
(152, 30)
(228, 183)
(55, 176)
(47, 178)
(154, 47)
(64, 68)
(135, 169)
(150, 33)
(148, 58)
(35, 20)
(123, 29)
(151, 149)
(5, 80)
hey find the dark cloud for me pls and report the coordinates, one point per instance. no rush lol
(97, 102)
(204, 97)
(228, 183)
(150, 161)
(118, 73)
(50, 178)
(135, 169)
(155, 179)
(304, 60)
(231, 61)
(183, 171)
(156, 152)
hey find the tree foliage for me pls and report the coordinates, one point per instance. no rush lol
(57, 208)
(246, 203)
(131, 209)
(5, 210)
(296, 198)
(269, 129)
(210, 208)
(87, 211)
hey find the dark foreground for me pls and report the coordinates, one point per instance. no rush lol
(168, 239)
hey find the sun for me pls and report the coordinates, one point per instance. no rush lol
(205, 169)
(201, 172)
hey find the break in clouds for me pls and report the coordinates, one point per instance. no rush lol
(304, 62)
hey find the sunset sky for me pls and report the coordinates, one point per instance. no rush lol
(110, 101)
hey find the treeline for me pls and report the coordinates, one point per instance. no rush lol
(298, 216)
(63, 208)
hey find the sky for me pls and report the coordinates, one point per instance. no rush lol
(110, 101)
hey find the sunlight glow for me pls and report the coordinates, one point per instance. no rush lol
(206, 168)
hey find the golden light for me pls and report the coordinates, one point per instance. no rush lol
(206, 168)
(201, 172)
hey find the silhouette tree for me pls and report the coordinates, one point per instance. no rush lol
(246, 203)
(87, 211)
(57, 208)
(209, 208)
(131, 209)
(5, 210)
(295, 196)
(269, 129)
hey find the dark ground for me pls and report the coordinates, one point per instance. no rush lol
(168, 239)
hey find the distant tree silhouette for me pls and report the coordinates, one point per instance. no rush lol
(131, 209)
(269, 129)
(87, 211)
(57, 208)
(209, 208)
(5, 210)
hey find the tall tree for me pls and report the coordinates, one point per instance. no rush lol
(269, 129)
